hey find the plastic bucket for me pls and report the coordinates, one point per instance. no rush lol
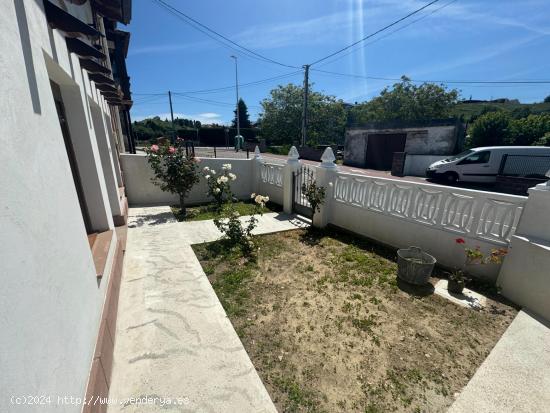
(414, 265)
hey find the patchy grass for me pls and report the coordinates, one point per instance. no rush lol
(330, 330)
(204, 212)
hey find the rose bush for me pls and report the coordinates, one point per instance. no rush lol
(173, 170)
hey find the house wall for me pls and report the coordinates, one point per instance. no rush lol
(50, 299)
(141, 191)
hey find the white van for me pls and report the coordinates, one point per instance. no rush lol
(479, 164)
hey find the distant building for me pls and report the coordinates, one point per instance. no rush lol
(64, 99)
(373, 145)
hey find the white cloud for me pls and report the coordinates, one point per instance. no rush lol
(205, 117)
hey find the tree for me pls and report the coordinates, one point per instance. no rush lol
(407, 102)
(244, 117)
(527, 130)
(490, 129)
(281, 120)
(547, 99)
(174, 172)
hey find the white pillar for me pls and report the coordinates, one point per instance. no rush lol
(524, 276)
(326, 175)
(292, 165)
(257, 163)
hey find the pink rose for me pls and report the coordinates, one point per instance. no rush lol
(154, 148)
(171, 149)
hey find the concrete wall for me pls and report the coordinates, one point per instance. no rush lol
(435, 140)
(355, 147)
(525, 275)
(50, 300)
(141, 191)
(432, 140)
(416, 165)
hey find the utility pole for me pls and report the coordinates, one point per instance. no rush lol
(304, 114)
(172, 116)
(237, 90)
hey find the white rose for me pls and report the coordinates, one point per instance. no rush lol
(216, 190)
(226, 166)
(253, 196)
(232, 176)
(207, 176)
(213, 172)
(266, 199)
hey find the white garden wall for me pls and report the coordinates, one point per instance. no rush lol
(394, 212)
(140, 190)
(402, 214)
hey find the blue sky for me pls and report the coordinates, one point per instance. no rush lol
(464, 40)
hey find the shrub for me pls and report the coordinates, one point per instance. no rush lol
(174, 171)
(315, 196)
(219, 185)
(237, 232)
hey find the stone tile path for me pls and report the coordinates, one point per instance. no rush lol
(515, 377)
(173, 337)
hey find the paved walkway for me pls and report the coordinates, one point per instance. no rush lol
(515, 377)
(173, 337)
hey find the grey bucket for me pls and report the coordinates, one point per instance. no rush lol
(414, 272)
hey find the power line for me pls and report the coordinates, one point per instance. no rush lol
(372, 34)
(473, 82)
(202, 27)
(390, 33)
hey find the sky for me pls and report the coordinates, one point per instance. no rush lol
(450, 40)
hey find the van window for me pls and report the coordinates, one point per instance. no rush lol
(478, 157)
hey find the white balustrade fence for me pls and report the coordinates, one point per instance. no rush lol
(478, 214)
(271, 181)
(402, 213)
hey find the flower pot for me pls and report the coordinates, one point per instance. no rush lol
(455, 286)
(414, 265)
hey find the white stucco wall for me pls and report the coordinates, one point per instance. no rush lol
(50, 300)
(416, 165)
(141, 191)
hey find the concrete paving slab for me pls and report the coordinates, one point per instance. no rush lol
(515, 376)
(468, 298)
(174, 341)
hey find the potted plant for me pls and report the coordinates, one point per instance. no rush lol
(473, 256)
(457, 279)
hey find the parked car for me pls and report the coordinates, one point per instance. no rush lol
(480, 164)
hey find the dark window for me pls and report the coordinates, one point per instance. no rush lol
(478, 157)
(71, 154)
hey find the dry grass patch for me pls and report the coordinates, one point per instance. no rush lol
(328, 328)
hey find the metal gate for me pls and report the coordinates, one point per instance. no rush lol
(300, 204)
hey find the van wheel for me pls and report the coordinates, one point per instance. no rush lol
(450, 178)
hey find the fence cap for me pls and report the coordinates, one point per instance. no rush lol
(293, 155)
(328, 158)
(257, 154)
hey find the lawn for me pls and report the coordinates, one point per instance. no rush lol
(203, 212)
(329, 329)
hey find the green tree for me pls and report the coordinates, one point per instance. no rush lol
(244, 117)
(406, 101)
(281, 120)
(490, 129)
(527, 130)
(547, 99)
